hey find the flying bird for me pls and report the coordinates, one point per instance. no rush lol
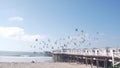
(76, 30)
(36, 39)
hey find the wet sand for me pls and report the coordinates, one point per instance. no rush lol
(43, 65)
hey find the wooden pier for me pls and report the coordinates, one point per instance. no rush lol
(99, 60)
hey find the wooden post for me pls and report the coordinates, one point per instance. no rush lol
(105, 63)
(56, 57)
(86, 60)
(97, 62)
(91, 62)
(70, 58)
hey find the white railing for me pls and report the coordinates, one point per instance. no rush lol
(116, 54)
(96, 52)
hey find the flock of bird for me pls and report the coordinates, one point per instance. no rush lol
(63, 43)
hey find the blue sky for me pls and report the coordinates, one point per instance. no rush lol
(21, 21)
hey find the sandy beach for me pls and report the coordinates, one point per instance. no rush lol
(43, 65)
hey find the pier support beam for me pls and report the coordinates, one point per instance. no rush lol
(86, 61)
(105, 63)
(91, 62)
(97, 62)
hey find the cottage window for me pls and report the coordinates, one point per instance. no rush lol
(93, 50)
(107, 50)
(119, 50)
(113, 50)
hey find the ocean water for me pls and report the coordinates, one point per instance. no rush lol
(9, 56)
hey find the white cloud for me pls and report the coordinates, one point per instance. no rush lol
(16, 18)
(18, 33)
(11, 31)
(29, 37)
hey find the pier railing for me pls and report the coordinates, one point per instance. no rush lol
(90, 51)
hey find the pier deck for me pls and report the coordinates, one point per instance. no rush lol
(98, 57)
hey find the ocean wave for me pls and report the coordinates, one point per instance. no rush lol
(23, 54)
(25, 59)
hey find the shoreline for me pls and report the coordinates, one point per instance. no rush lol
(37, 62)
(25, 59)
(42, 65)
